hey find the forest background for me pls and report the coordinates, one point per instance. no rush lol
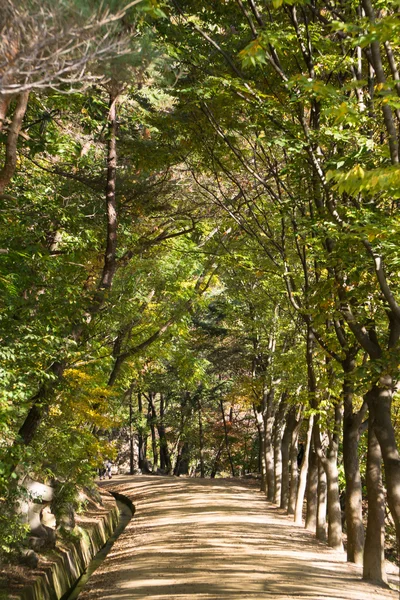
(200, 246)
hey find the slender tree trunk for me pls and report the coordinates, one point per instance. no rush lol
(110, 257)
(351, 436)
(321, 507)
(228, 450)
(298, 513)
(151, 418)
(261, 458)
(215, 467)
(201, 438)
(131, 445)
(312, 489)
(277, 437)
(42, 399)
(294, 471)
(269, 418)
(142, 440)
(285, 452)
(165, 459)
(374, 552)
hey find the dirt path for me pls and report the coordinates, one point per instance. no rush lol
(197, 539)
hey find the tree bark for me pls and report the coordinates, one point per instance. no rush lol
(321, 504)
(261, 438)
(351, 437)
(298, 512)
(110, 257)
(201, 438)
(10, 162)
(142, 440)
(374, 552)
(269, 417)
(277, 437)
(379, 403)
(312, 489)
(285, 452)
(42, 399)
(294, 471)
(151, 420)
(165, 459)
(226, 437)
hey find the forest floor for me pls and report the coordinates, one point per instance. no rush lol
(193, 539)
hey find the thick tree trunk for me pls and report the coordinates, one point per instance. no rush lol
(334, 511)
(321, 508)
(312, 489)
(298, 513)
(374, 552)
(380, 403)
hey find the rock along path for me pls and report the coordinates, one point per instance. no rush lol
(194, 539)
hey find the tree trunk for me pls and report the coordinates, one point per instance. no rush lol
(277, 437)
(261, 437)
(269, 418)
(42, 399)
(201, 438)
(321, 504)
(131, 445)
(4, 104)
(380, 403)
(374, 552)
(228, 450)
(182, 462)
(285, 453)
(165, 459)
(351, 437)
(312, 489)
(142, 440)
(298, 512)
(294, 470)
(334, 511)
(151, 418)
(215, 467)
(10, 162)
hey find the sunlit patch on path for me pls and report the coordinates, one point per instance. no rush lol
(209, 539)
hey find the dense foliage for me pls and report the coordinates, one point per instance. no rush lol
(199, 251)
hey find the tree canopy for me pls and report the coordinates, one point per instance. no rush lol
(199, 251)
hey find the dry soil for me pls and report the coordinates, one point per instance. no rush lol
(195, 539)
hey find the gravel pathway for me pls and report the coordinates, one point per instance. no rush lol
(194, 539)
